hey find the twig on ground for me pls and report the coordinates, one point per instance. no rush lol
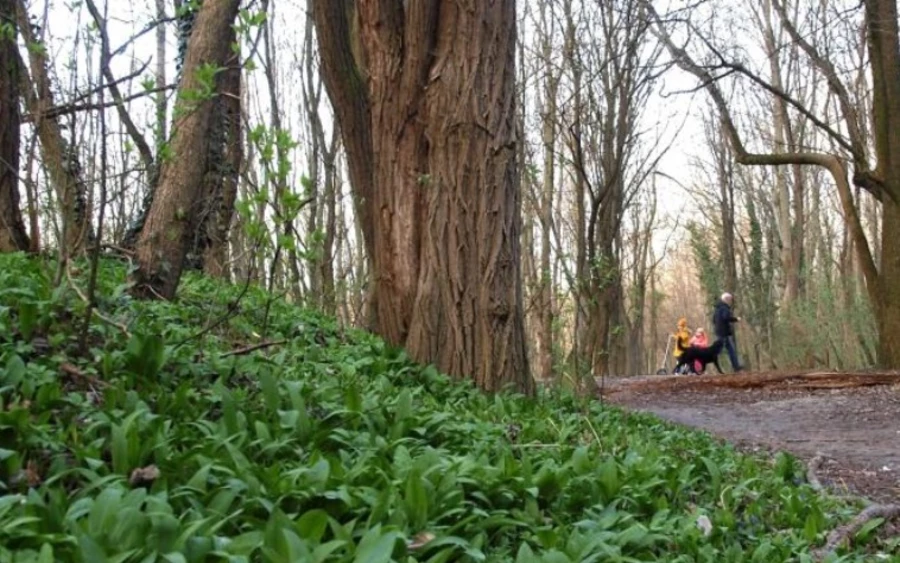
(253, 348)
(122, 328)
(812, 472)
(843, 533)
(233, 310)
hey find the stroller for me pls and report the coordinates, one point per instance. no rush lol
(662, 364)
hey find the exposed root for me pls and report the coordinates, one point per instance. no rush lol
(844, 533)
(812, 475)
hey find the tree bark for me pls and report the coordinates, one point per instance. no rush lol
(424, 92)
(884, 54)
(174, 215)
(549, 117)
(161, 103)
(223, 177)
(12, 229)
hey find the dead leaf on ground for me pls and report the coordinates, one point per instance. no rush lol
(144, 476)
(32, 475)
(420, 540)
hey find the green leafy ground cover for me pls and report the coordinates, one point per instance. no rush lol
(335, 447)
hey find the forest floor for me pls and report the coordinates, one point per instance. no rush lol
(846, 425)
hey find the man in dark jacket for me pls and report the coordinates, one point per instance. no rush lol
(722, 321)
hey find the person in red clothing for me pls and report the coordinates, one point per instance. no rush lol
(700, 340)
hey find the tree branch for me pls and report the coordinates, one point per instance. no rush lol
(843, 533)
(69, 109)
(252, 348)
(135, 134)
(830, 162)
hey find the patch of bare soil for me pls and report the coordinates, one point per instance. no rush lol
(852, 421)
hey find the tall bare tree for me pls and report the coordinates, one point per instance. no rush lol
(551, 75)
(604, 137)
(424, 93)
(60, 156)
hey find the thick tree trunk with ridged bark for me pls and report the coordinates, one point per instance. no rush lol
(175, 214)
(424, 92)
(12, 230)
(884, 54)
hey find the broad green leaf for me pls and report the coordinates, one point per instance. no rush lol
(28, 318)
(270, 390)
(90, 550)
(525, 554)
(322, 552)
(103, 511)
(15, 370)
(416, 500)
(312, 525)
(46, 554)
(353, 398)
(119, 450)
(868, 527)
(376, 547)
(404, 405)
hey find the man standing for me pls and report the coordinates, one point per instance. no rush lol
(722, 322)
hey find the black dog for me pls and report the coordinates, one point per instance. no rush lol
(705, 356)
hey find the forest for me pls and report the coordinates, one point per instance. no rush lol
(657, 160)
(327, 227)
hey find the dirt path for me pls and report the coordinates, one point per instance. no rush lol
(852, 420)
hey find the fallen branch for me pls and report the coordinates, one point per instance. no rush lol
(253, 348)
(98, 314)
(843, 533)
(75, 373)
(812, 472)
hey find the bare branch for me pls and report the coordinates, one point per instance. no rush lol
(135, 134)
(69, 109)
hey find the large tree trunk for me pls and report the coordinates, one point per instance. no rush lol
(174, 215)
(59, 157)
(884, 54)
(12, 229)
(430, 137)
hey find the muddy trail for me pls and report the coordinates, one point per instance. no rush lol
(848, 425)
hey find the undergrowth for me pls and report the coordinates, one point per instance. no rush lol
(163, 444)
